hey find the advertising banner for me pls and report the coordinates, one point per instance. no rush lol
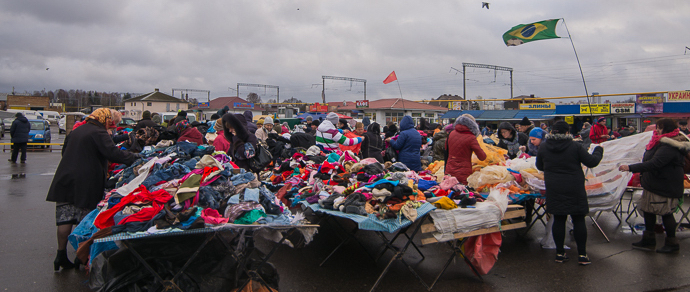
(650, 103)
(362, 103)
(675, 96)
(204, 105)
(318, 108)
(243, 105)
(538, 106)
(596, 109)
(622, 108)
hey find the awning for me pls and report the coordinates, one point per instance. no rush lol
(452, 114)
(496, 115)
(474, 113)
(357, 112)
(671, 115)
(537, 115)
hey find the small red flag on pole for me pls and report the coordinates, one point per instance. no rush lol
(391, 77)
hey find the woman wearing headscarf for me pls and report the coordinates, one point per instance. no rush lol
(187, 133)
(79, 180)
(510, 139)
(243, 144)
(372, 144)
(286, 128)
(220, 143)
(661, 176)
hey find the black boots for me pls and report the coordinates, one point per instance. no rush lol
(648, 241)
(670, 246)
(61, 260)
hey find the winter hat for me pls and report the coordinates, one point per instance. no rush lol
(268, 120)
(182, 113)
(449, 128)
(18, 115)
(600, 119)
(146, 115)
(260, 123)
(313, 150)
(310, 118)
(560, 127)
(470, 117)
(537, 133)
(525, 122)
(333, 118)
(219, 125)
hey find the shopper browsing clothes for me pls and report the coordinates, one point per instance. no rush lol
(19, 131)
(661, 176)
(79, 181)
(460, 145)
(560, 158)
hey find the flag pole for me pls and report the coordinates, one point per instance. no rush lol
(589, 105)
(403, 101)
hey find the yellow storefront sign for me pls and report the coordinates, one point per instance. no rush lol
(538, 106)
(570, 120)
(597, 109)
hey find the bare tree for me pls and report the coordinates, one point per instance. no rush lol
(253, 98)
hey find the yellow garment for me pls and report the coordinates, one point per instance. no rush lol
(445, 203)
(494, 155)
(102, 115)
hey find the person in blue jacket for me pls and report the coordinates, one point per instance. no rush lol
(409, 143)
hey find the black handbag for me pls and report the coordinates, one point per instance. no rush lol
(390, 155)
(261, 159)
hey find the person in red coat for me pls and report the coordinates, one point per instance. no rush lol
(599, 133)
(461, 142)
(187, 133)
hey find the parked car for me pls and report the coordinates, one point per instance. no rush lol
(127, 123)
(40, 132)
(63, 120)
(166, 116)
(7, 124)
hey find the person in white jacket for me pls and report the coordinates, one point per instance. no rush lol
(328, 137)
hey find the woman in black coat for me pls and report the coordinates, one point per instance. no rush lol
(510, 139)
(560, 158)
(661, 176)
(372, 145)
(235, 130)
(79, 182)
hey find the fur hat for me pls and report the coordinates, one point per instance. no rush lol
(268, 120)
(525, 122)
(333, 118)
(560, 127)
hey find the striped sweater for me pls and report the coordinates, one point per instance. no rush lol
(329, 137)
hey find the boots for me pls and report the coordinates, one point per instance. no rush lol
(670, 246)
(61, 260)
(648, 241)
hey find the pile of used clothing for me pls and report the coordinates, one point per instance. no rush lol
(340, 181)
(182, 186)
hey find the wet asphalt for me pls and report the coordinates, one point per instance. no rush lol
(28, 244)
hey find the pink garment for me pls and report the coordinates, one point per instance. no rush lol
(656, 138)
(221, 144)
(211, 216)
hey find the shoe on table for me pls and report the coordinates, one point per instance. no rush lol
(561, 257)
(583, 260)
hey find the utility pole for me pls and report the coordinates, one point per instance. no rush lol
(323, 80)
(485, 66)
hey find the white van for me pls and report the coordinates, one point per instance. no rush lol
(29, 114)
(50, 116)
(166, 116)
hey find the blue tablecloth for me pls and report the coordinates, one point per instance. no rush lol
(370, 222)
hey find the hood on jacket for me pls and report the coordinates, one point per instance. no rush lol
(249, 116)
(238, 123)
(507, 126)
(470, 124)
(366, 122)
(374, 128)
(22, 119)
(406, 123)
(679, 142)
(325, 126)
(557, 142)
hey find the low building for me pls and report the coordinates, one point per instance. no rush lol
(23, 102)
(235, 104)
(155, 102)
(388, 110)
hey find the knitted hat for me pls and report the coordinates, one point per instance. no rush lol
(537, 133)
(268, 120)
(310, 118)
(560, 127)
(333, 118)
(525, 122)
(219, 125)
(182, 113)
(601, 119)
(260, 122)
(449, 128)
(146, 115)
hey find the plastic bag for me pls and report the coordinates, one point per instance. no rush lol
(494, 155)
(482, 251)
(532, 180)
(519, 164)
(489, 175)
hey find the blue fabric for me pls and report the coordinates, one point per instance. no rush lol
(275, 220)
(235, 199)
(186, 147)
(209, 197)
(426, 184)
(175, 171)
(242, 178)
(370, 222)
(382, 181)
(251, 195)
(191, 164)
(84, 230)
(409, 143)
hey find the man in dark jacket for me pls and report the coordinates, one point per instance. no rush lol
(561, 160)
(19, 131)
(525, 125)
(409, 143)
(79, 181)
(249, 116)
(145, 121)
(372, 145)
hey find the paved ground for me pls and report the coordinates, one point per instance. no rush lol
(27, 249)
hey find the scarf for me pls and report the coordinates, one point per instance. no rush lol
(102, 115)
(181, 126)
(656, 138)
(514, 145)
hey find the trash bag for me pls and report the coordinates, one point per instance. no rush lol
(482, 251)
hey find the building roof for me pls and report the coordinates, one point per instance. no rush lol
(439, 101)
(156, 96)
(393, 103)
(221, 102)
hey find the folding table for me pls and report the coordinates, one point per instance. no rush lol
(241, 245)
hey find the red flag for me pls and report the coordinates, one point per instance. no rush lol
(391, 77)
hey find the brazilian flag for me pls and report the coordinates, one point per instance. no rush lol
(525, 33)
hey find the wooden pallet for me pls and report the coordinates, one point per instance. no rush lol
(513, 212)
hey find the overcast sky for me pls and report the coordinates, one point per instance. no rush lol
(624, 46)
